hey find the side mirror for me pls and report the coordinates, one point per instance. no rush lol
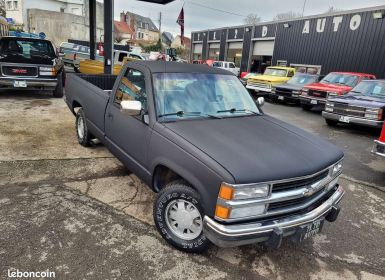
(131, 107)
(261, 101)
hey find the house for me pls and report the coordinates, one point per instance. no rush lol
(16, 10)
(177, 43)
(144, 27)
(123, 32)
(167, 38)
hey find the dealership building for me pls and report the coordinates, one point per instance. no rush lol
(351, 41)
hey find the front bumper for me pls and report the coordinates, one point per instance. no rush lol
(259, 89)
(224, 235)
(314, 101)
(35, 83)
(379, 148)
(353, 120)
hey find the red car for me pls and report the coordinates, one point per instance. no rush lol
(333, 84)
(379, 145)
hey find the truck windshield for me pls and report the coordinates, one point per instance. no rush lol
(26, 47)
(302, 79)
(193, 95)
(275, 72)
(370, 88)
(340, 79)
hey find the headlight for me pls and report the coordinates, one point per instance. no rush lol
(337, 168)
(329, 107)
(247, 211)
(373, 114)
(47, 71)
(295, 92)
(239, 192)
(273, 89)
(304, 91)
(332, 93)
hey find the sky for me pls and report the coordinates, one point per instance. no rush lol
(198, 17)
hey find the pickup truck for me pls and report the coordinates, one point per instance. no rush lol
(31, 64)
(185, 130)
(273, 75)
(333, 84)
(229, 66)
(363, 105)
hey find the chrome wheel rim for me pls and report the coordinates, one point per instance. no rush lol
(184, 219)
(81, 127)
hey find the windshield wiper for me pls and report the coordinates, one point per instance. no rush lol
(234, 110)
(183, 113)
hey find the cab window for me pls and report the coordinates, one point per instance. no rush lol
(132, 87)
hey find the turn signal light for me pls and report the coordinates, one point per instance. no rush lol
(226, 192)
(222, 212)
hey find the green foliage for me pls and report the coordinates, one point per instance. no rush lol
(152, 48)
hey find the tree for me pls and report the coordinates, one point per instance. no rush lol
(152, 48)
(3, 12)
(287, 16)
(252, 19)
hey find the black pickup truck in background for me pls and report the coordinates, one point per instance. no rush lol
(30, 63)
(224, 171)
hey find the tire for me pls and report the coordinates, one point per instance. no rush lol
(306, 107)
(331, 122)
(173, 196)
(59, 90)
(76, 70)
(83, 135)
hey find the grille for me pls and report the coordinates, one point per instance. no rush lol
(317, 93)
(347, 110)
(283, 91)
(299, 183)
(19, 71)
(258, 84)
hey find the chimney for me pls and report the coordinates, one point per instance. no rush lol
(123, 16)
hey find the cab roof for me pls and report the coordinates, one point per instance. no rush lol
(177, 67)
(352, 73)
(24, 38)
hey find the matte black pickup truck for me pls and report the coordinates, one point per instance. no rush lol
(224, 171)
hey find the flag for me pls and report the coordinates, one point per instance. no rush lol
(180, 21)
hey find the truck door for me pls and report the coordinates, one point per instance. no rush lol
(127, 136)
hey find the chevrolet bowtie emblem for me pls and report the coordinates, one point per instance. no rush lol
(313, 188)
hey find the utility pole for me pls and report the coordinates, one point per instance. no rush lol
(160, 26)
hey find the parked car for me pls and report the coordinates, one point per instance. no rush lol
(89, 66)
(363, 105)
(334, 84)
(379, 145)
(245, 77)
(273, 76)
(229, 66)
(290, 91)
(31, 63)
(185, 130)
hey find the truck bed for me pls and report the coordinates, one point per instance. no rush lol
(91, 92)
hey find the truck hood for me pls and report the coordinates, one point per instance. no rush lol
(290, 86)
(24, 60)
(360, 100)
(268, 78)
(258, 148)
(329, 87)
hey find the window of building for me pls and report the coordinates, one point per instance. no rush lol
(15, 5)
(62, 10)
(9, 5)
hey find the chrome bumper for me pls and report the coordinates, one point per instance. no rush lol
(31, 82)
(256, 88)
(379, 148)
(309, 100)
(354, 120)
(224, 235)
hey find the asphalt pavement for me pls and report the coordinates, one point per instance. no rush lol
(79, 213)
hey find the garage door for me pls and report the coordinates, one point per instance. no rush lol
(235, 45)
(263, 48)
(198, 48)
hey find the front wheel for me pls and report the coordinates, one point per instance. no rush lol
(331, 122)
(59, 90)
(178, 216)
(306, 107)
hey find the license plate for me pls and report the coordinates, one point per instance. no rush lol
(344, 119)
(20, 84)
(314, 102)
(281, 98)
(310, 230)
